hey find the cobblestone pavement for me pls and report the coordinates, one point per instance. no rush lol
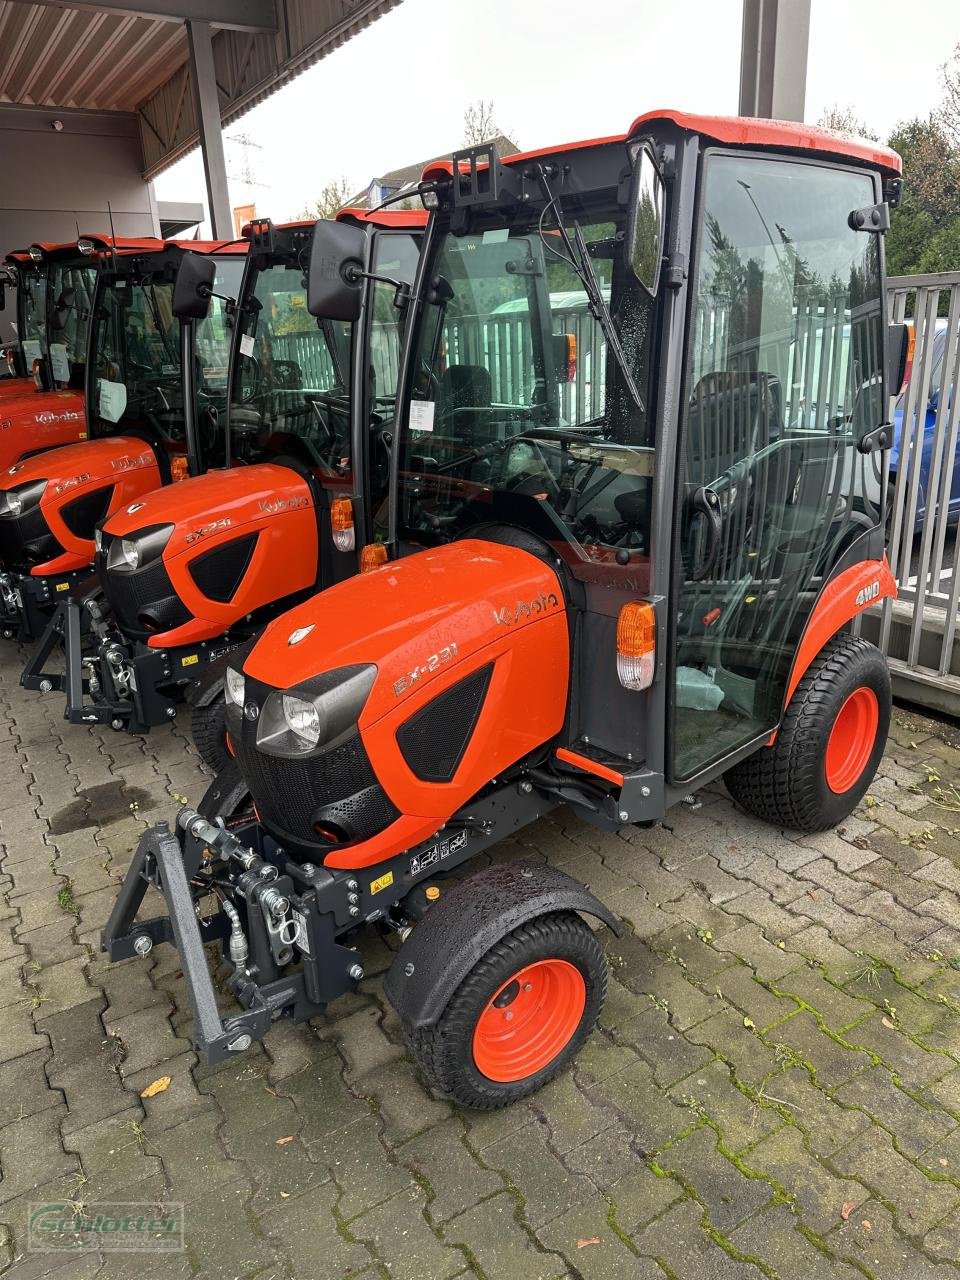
(774, 1089)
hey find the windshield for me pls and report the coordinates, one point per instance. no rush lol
(291, 379)
(516, 398)
(73, 286)
(33, 313)
(137, 357)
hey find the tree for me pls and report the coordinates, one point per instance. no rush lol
(845, 122)
(479, 124)
(331, 200)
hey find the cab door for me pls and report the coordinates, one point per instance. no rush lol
(784, 376)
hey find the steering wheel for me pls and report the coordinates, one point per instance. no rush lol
(542, 475)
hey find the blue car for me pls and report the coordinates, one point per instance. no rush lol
(929, 425)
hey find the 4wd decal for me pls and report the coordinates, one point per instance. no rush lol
(439, 659)
(523, 609)
(437, 853)
(868, 593)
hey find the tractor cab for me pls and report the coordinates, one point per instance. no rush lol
(645, 382)
(25, 272)
(292, 468)
(135, 429)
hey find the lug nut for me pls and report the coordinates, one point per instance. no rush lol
(356, 972)
(624, 816)
(46, 686)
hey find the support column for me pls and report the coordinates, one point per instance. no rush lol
(206, 96)
(773, 58)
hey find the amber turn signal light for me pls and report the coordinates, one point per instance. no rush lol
(373, 556)
(179, 467)
(636, 645)
(341, 523)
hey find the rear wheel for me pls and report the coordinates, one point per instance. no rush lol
(829, 744)
(520, 1015)
(208, 725)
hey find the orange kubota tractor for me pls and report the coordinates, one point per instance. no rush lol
(191, 573)
(142, 431)
(42, 402)
(644, 389)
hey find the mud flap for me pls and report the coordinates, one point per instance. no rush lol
(159, 860)
(467, 921)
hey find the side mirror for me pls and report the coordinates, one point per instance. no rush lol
(645, 230)
(193, 287)
(335, 278)
(61, 312)
(898, 346)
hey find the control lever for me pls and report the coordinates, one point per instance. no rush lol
(705, 502)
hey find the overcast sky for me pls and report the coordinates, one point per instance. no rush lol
(396, 93)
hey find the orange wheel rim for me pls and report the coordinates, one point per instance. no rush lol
(529, 1020)
(851, 741)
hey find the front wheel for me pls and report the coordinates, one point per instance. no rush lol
(829, 745)
(519, 1016)
(209, 728)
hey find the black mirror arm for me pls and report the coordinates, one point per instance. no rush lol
(230, 304)
(353, 275)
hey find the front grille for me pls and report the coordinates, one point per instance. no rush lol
(218, 573)
(27, 537)
(434, 739)
(82, 515)
(147, 592)
(337, 789)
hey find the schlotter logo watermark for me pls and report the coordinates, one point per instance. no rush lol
(112, 1226)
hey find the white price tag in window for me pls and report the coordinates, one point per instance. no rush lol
(246, 344)
(421, 415)
(496, 235)
(112, 400)
(59, 362)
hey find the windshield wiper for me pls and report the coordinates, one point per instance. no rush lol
(601, 313)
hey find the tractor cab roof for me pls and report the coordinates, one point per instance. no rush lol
(743, 131)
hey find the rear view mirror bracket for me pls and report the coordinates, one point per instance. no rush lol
(477, 174)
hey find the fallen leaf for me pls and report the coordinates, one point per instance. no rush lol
(891, 1026)
(272, 1092)
(158, 1086)
(847, 1208)
(866, 1225)
(943, 1162)
(812, 893)
(284, 1195)
(282, 1142)
(749, 1022)
(582, 1244)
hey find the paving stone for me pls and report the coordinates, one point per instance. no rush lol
(52, 943)
(824, 1123)
(491, 1232)
(24, 1089)
(818, 1192)
(918, 1203)
(766, 959)
(913, 1066)
(676, 1238)
(570, 1117)
(225, 1241)
(607, 1158)
(835, 1007)
(869, 1239)
(585, 1238)
(404, 1106)
(398, 1230)
(20, 1036)
(738, 987)
(712, 1091)
(454, 1177)
(669, 1053)
(727, 1035)
(62, 986)
(30, 1153)
(916, 1128)
(831, 1063)
(729, 1195)
(549, 1187)
(774, 1236)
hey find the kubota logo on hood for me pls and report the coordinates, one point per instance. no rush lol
(45, 419)
(272, 506)
(523, 609)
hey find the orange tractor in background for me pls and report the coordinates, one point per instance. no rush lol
(136, 429)
(644, 391)
(189, 574)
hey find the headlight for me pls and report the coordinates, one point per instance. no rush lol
(128, 554)
(314, 716)
(302, 718)
(13, 502)
(234, 687)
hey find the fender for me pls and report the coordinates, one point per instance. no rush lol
(467, 921)
(840, 600)
(39, 421)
